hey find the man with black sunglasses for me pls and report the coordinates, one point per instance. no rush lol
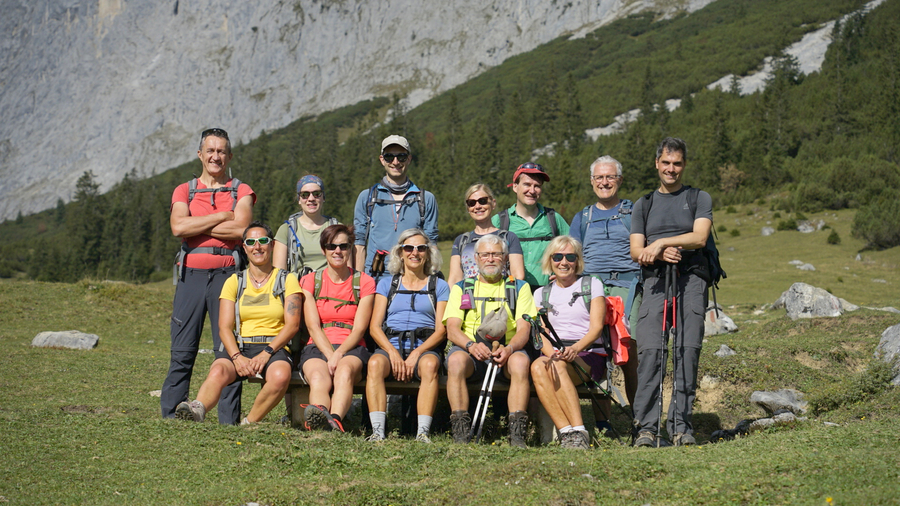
(209, 214)
(390, 207)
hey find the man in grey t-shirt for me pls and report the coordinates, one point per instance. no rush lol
(669, 227)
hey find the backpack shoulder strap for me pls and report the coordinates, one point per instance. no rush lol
(464, 239)
(241, 286)
(421, 198)
(551, 216)
(278, 288)
(395, 286)
(357, 281)
(645, 210)
(192, 190)
(317, 278)
(586, 214)
(545, 296)
(370, 207)
(235, 184)
(503, 217)
(432, 290)
(512, 294)
(586, 292)
(331, 220)
(625, 208)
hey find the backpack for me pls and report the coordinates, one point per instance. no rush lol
(503, 217)
(466, 237)
(511, 294)
(624, 215)
(709, 252)
(237, 252)
(373, 199)
(430, 290)
(355, 302)
(295, 247)
(277, 290)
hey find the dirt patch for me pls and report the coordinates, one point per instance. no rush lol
(710, 394)
(807, 360)
(82, 409)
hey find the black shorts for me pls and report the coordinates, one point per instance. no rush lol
(437, 354)
(311, 351)
(253, 349)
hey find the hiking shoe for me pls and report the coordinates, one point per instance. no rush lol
(318, 418)
(423, 438)
(375, 437)
(192, 411)
(335, 423)
(645, 438)
(683, 439)
(518, 425)
(246, 421)
(460, 425)
(579, 440)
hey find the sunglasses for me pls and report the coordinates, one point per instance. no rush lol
(401, 157)
(482, 201)
(421, 248)
(557, 257)
(315, 193)
(532, 166)
(251, 241)
(344, 246)
(215, 132)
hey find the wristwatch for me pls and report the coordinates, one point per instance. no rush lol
(269, 350)
(469, 345)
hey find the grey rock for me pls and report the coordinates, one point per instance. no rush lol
(156, 393)
(717, 322)
(796, 262)
(888, 350)
(805, 227)
(846, 306)
(725, 351)
(831, 424)
(806, 267)
(767, 231)
(879, 281)
(820, 224)
(858, 257)
(66, 339)
(771, 402)
(707, 382)
(806, 301)
(761, 424)
(784, 418)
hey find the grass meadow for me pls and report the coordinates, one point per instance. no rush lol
(81, 427)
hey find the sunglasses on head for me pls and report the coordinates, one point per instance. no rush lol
(251, 241)
(215, 132)
(401, 157)
(482, 201)
(421, 248)
(532, 166)
(557, 257)
(314, 193)
(344, 246)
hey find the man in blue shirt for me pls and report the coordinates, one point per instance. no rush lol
(388, 208)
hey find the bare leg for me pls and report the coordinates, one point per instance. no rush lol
(519, 388)
(348, 373)
(379, 369)
(278, 377)
(316, 372)
(459, 367)
(428, 385)
(221, 374)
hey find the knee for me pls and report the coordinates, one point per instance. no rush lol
(279, 377)
(539, 367)
(456, 365)
(377, 368)
(519, 364)
(428, 367)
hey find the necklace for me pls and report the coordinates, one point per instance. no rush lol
(259, 284)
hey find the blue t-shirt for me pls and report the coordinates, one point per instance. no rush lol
(467, 255)
(410, 311)
(606, 243)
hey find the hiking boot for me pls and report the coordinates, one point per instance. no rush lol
(246, 421)
(518, 425)
(645, 438)
(191, 411)
(375, 437)
(579, 440)
(335, 423)
(683, 439)
(460, 425)
(317, 418)
(423, 438)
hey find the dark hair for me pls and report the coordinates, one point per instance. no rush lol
(672, 145)
(333, 231)
(258, 224)
(215, 132)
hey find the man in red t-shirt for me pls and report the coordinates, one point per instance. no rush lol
(209, 214)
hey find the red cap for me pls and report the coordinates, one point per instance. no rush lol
(532, 169)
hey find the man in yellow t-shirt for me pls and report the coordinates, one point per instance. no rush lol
(467, 358)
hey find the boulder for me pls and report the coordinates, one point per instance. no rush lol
(767, 231)
(805, 227)
(717, 322)
(806, 267)
(66, 339)
(846, 306)
(725, 351)
(771, 402)
(888, 350)
(796, 262)
(806, 301)
(761, 424)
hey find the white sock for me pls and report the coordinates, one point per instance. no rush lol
(378, 419)
(567, 428)
(424, 424)
(579, 428)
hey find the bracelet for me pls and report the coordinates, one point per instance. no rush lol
(236, 355)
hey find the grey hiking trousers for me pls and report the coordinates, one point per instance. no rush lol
(690, 308)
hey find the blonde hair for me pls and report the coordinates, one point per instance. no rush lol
(432, 263)
(480, 187)
(559, 242)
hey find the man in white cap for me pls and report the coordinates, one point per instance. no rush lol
(389, 207)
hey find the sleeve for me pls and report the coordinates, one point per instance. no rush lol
(574, 231)
(431, 217)
(597, 288)
(525, 302)
(366, 285)
(244, 190)
(308, 283)
(180, 194)
(454, 250)
(360, 218)
(704, 206)
(453, 302)
(292, 285)
(495, 220)
(443, 290)
(538, 297)
(229, 289)
(384, 285)
(637, 218)
(282, 234)
(515, 246)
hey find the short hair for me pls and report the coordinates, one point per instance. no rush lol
(215, 132)
(333, 231)
(672, 145)
(480, 187)
(258, 224)
(559, 242)
(490, 240)
(606, 160)
(432, 263)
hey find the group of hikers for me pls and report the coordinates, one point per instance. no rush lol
(527, 298)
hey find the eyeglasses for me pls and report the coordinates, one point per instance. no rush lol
(215, 132)
(421, 248)
(389, 157)
(531, 166)
(315, 193)
(605, 178)
(490, 254)
(251, 241)
(482, 201)
(344, 246)
(557, 257)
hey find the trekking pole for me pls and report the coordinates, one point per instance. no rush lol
(484, 397)
(673, 270)
(662, 355)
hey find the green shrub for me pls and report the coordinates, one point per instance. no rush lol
(840, 279)
(722, 229)
(735, 232)
(787, 225)
(874, 379)
(761, 202)
(776, 215)
(878, 222)
(833, 238)
(799, 216)
(730, 210)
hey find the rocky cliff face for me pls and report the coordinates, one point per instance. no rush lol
(115, 85)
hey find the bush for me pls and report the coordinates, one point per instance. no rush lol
(722, 229)
(878, 223)
(735, 232)
(800, 216)
(874, 379)
(787, 225)
(730, 210)
(833, 238)
(761, 202)
(776, 215)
